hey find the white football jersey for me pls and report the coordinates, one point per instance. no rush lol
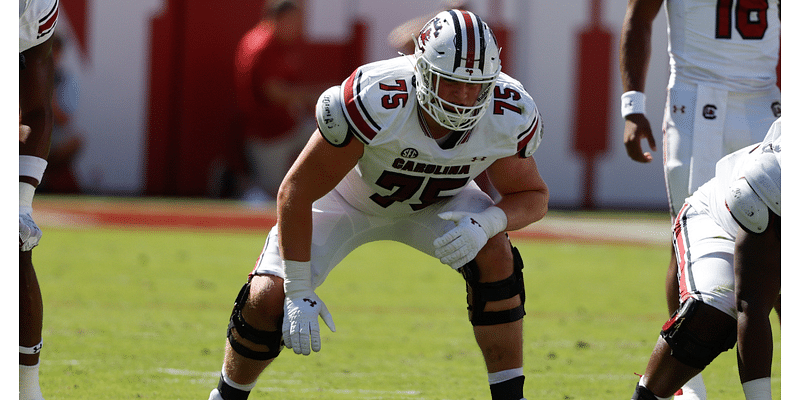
(37, 21)
(710, 198)
(403, 168)
(729, 44)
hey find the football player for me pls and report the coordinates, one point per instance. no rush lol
(722, 94)
(37, 21)
(397, 148)
(727, 237)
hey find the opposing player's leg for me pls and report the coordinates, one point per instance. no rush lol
(30, 328)
(254, 337)
(682, 175)
(704, 325)
(496, 296)
(689, 341)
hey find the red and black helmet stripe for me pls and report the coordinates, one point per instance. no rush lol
(475, 49)
(457, 27)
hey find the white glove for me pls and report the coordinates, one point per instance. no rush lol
(461, 244)
(29, 233)
(302, 308)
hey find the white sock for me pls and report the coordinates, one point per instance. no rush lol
(502, 376)
(757, 389)
(29, 382)
(695, 389)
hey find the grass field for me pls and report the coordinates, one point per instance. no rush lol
(142, 313)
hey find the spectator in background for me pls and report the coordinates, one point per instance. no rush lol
(722, 96)
(275, 100)
(65, 143)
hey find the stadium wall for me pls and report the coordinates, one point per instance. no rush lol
(155, 101)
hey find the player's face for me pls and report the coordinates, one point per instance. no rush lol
(459, 93)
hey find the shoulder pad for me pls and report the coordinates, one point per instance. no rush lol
(331, 120)
(746, 207)
(763, 174)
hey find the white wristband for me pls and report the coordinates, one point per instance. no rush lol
(632, 103)
(32, 166)
(298, 276)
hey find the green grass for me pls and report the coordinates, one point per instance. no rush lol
(142, 314)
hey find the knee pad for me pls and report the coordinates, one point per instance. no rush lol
(270, 339)
(685, 345)
(478, 294)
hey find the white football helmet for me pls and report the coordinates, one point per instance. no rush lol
(456, 45)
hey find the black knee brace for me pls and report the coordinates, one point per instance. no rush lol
(478, 294)
(685, 345)
(270, 339)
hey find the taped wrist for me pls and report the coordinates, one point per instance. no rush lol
(495, 220)
(298, 277)
(632, 102)
(26, 192)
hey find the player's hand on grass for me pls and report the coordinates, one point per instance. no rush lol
(302, 309)
(461, 244)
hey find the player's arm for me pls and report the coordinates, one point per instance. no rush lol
(318, 169)
(757, 268)
(36, 112)
(35, 102)
(634, 59)
(524, 192)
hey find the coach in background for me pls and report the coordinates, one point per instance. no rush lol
(722, 95)
(395, 155)
(37, 21)
(727, 238)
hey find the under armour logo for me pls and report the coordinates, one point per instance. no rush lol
(37, 348)
(472, 221)
(310, 302)
(682, 109)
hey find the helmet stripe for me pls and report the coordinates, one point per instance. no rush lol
(482, 53)
(457, 27)
(469, 27)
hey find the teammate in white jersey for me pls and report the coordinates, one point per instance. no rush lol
(37, 21)
(722, 93)
(394, 156)
(727, 237)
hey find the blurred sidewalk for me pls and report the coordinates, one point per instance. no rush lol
(82, 212)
